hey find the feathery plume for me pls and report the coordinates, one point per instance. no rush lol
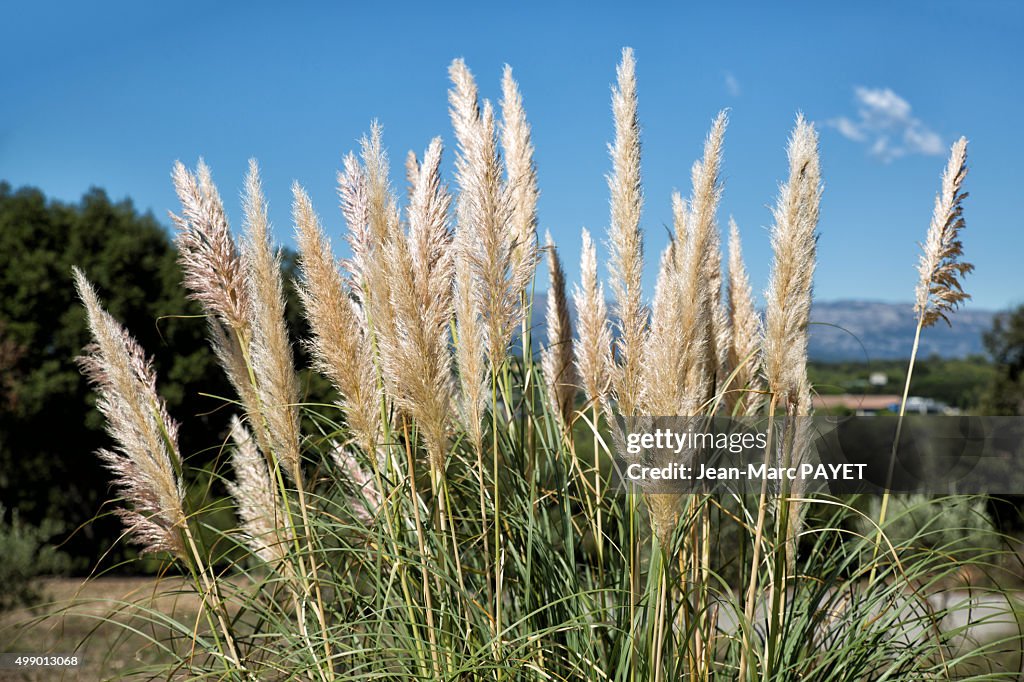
(146, 461)
(626, 239)
(663, 383)
(680, 220)
(383, 227)
(939, 291)
(744, 359)
(700, 285)
(557, 359)
(521, 174)
(212, 268)
(353, 193)
(340, 347)
(215, 276)
(412, 171)
(255, 496)
(485, 212)
(470, 346)
(593, 348)
(270, 351)
(682, 356)
(382, 209)
(368, 498)
(789, 289)
(472, 342)
(415, 357)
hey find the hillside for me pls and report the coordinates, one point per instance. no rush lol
(869, 330)
(886, 331)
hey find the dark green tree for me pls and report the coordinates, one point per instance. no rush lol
(48, 429)
(1005, 343)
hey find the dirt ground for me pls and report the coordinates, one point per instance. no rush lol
(101, 621)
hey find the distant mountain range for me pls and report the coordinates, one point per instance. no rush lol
(886, 331)
(860, 330)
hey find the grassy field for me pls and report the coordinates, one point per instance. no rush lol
(101, 621)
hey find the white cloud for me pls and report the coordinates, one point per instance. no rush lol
(887, 126)
(848, 129)
(732, 86)
(885, 105)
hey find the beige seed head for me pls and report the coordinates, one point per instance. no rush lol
(256, 498)
(209, 258)
(626, 239)
(593, 348)
(521, 174)
(340, 347)
(415, 356)
(744, 359)
(788, 297)
(557, 358)
(145, 462)
(939, 291)
(485, 212)
(270, 351)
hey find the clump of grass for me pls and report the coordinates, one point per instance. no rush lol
(450, 518)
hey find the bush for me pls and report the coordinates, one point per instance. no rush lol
(959, 526)
(26, 557)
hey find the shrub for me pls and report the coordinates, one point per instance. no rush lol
(26, 555)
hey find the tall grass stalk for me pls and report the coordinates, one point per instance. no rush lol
(939, 291)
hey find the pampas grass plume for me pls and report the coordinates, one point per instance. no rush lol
(625, 237)
(789, 289)
(270, 352)
(255, 495)
(557, 358)
(146, 461)
(593, 347)
(939, 291)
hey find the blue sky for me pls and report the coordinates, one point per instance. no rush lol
(111, 95)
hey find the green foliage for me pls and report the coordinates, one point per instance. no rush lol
(26, 555)
(48, 429)
(1005, 342)
(958, 382)
(958, 525)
